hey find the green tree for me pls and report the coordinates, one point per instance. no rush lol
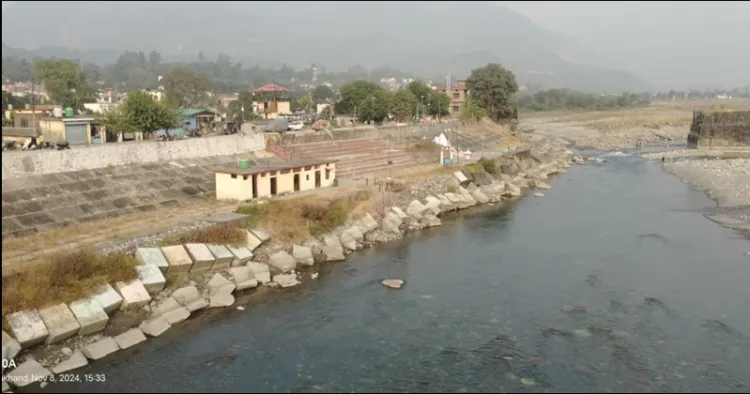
(375, 108)
(354, 94)
(322, 94)
(141, 112)
(64, 82)
(304, 102)
(493, 87)
(438, 104)
(187, 87)
(404, 105)
(471, 111)
(235, 109)
(419, 89)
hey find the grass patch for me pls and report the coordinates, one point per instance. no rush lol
(225, 234)
(296, 219)
(67, 277)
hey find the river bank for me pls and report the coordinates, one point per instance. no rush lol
(724, 175)
(399, 208)
(613, 281)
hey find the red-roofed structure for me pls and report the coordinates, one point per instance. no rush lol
(270, 88)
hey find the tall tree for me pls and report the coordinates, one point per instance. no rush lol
(322, 94)
(64, 82)
(375, 107)
(241, 110)
(187, 87)
(403, 104)
(141, 112)
(353, 94)
(493, 87)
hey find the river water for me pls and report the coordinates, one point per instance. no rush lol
(614, 281)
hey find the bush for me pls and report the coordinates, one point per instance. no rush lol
(323, 219)
(67, 277)
(226, 234)
(488, 165)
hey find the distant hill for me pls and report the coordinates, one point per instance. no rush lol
(425, 39)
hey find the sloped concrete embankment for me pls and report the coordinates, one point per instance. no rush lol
(220, 272)
(38, 203)
(29, 163)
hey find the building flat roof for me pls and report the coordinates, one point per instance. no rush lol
(261, 168)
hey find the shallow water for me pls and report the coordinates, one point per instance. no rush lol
(612, 282)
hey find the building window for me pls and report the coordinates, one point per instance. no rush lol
(456, 95)
(328, 173)
(244, 177)
(455, 108)
(24, 122)
(234, 176)
(307, 177)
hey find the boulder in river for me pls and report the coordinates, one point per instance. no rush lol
(393, 283)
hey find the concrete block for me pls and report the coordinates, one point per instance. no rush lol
(109, 299)
(77, 360)
(190, 298)
(241, 255)
(261, 235)
(229, 218)
(177, 315)
(202, 258)
(282, 261)
(165, 306)
(11, 347)
(251, 241)
(101, 348)
(286, 280)
(152, 278)
(332, 253)
(155, 326)
(28, 372)
(130, 338)
(28, 328)
(134, 294)
(369, 223)
(260, 271)
(460, 177)
(60, 321)
(178, 259)
(152, 256)
(399, 212)
(90, 315)
(220, 284)
(243, 278)
(303, 255)
(222, 255)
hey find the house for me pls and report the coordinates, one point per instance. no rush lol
(264, 181)
(458, 93)
(195, 118)
(75, 129)
(273, 101)
(224, 99)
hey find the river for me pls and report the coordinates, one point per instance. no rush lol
(614, 281)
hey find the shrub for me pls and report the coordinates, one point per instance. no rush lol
(225, 234)
(488, 165)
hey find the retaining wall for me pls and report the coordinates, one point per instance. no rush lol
(720, 129)
(402, 133)
(22, 164)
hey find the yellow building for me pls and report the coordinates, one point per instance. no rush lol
(264, 181)
(80, 129)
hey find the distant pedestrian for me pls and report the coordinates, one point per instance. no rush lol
(662, 159)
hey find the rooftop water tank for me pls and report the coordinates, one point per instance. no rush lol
(27, 106)
(69, 112)
(244, 164)
(10, 107)
(57, 111)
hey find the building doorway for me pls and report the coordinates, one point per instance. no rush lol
(255, 186)
(317, 178)
(273, 186)
(296, 182)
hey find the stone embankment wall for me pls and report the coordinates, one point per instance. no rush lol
(402, 133)
(22, 164)
(720, 129)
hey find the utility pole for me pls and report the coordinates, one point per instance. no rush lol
(33, 101)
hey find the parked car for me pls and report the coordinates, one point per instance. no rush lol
(297, 125)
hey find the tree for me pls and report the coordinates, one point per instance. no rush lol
(141, 112)
(304, 103)
(64, 82)
(437, 102)
(471, 111)
(354, 94)
(403, 104)
(187, 87)
(493, 87)
(235, 109)
(322, 94)
(374, 108)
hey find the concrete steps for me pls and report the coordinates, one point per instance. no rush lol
(356, 157)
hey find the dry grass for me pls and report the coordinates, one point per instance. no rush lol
(294, 220)
(66, 278)
(226, 234)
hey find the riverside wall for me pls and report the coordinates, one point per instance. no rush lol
(720, 130)
(43, 162)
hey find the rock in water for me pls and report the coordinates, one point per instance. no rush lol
(393, 283)
(538, 194)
